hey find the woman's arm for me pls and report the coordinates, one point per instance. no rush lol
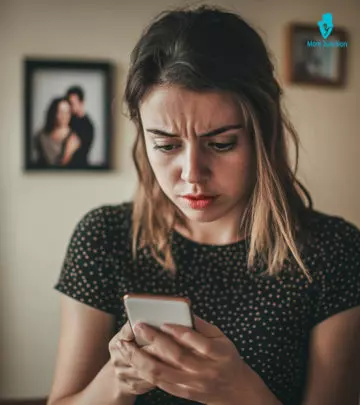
(84, 374)
(72, 145)
(334, 364)
(334, 369)
(40, 155)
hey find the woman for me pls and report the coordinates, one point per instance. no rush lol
(274, 284)
(57, 142)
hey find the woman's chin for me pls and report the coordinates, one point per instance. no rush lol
(199, 213)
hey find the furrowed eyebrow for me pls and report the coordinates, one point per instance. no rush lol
(207, 134)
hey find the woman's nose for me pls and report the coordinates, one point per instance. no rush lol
(194, 166)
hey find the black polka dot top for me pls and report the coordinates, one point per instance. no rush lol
(267, 318)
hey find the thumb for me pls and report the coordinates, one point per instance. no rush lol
(206, 329)
(126, 332)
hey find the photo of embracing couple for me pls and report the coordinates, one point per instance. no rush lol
(68, 133)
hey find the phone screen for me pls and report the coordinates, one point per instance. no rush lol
(156, 310)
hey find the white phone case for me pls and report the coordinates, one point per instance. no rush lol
(156, 310)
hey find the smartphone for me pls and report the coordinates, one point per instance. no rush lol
(155, 310)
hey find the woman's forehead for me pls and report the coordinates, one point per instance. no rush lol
(64, 105)
(168, 103)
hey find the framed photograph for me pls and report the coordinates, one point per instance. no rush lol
(313, 60)
(68, 119)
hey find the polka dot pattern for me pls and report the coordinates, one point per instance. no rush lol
(269, 319)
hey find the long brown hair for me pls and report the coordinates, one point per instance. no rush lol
(211, 49)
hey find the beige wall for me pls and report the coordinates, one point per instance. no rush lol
(38, 211)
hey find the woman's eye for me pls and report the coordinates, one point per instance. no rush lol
(219, 147)
(222, 147)
(164, 148)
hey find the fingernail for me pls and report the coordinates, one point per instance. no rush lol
(123, 343)
(127, 344)
(166, 328)
(138, 327)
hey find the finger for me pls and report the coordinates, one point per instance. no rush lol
(202, 327)
(136, 386)
(165, 348)
(151, 373)
(128, 374)
(182, 391)
(123, 352)
(210, 347)
(206, 329)
(151, 369)
(125, 333)
(181, 358)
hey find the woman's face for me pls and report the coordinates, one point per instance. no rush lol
(63, 115)
(186, 161)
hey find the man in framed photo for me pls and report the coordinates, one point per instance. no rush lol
(81, 124)
(310, 66)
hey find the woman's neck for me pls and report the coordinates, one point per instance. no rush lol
(220, 232)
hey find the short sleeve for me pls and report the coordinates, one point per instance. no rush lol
(87, 274)
(338, 284)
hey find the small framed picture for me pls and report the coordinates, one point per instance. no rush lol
(312, 59)
(68, 119)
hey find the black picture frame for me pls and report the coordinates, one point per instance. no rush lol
(46, 80)
(329, 59)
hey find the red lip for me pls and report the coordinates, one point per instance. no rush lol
(199, 202)
(198, 196)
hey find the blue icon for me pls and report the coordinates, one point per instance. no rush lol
(326, 25)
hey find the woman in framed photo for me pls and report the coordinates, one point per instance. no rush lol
(56, 143)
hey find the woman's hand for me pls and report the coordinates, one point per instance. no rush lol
(130, 381)
(73, 144)
(201, 365)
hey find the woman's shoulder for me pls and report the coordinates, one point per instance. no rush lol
(330, 228)
(334, 263)
(40, 135)
(109, 216)
(332, 245)
(89, 273)
(101, 228)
